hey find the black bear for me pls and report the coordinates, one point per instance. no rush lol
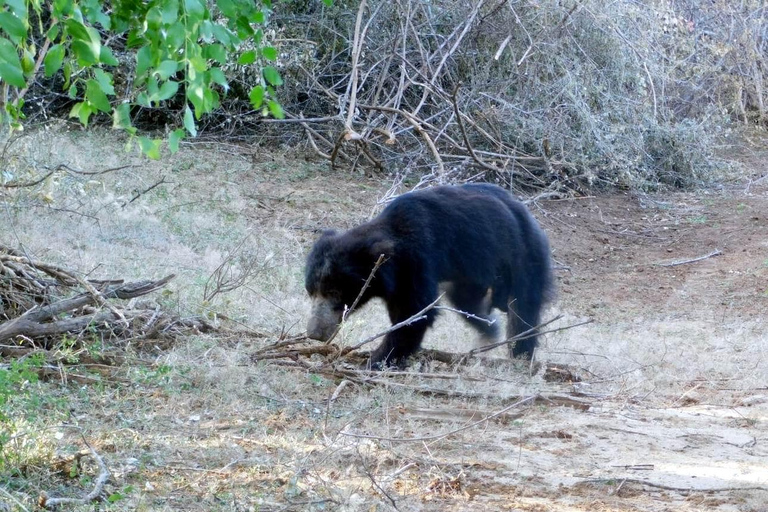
(478, 243)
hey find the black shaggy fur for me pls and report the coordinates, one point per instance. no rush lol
(476, 239)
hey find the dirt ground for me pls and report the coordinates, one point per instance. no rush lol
(670, 378)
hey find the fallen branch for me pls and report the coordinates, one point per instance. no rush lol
(31, 324)
(530, 333)
(716, 252)
(645, 483)
(98, 486)
(421, 315)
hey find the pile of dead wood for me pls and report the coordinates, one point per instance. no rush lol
(40, 303)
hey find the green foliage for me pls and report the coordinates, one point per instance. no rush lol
(15, 380)
(166, 49)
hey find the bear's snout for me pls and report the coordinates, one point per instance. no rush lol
(324, 319)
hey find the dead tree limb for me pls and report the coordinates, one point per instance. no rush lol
(31, 323)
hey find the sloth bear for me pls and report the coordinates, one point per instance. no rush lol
(475, 241)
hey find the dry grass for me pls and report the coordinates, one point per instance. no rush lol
(197, 426)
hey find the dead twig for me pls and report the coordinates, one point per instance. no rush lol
(141, 193)
(645, 483)
(98, 486)
(716, 252)
(530, 333)
(421, 315)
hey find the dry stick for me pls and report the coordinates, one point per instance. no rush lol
(12, 497)
(446, 434)
(379, 262)
(716, 252)
(139, 194)
(98, 486)
(100, 300)
(527, 34)
(421, 315)
(472, 153)
(609, 481)
(374, 482)
(533, 331)
(489, 321)
(417, 125)
(56, 169)
(356, 49)
(449, 53)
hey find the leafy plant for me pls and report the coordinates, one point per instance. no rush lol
(14, 380)
(159, 50)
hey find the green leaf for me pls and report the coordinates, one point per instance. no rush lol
(275, 109)
(269, 53)
(86, 43)
(107, 57)
(216, 52)
(121, 117)
(206, 31)
(53, 60)
(115, 497)
(150, 147)
(228, 8)
(13, 26)
(82, 111)
(167, 90)
(257, 96)
(96, 96)
(105, 81)
(154, 19)
(194, 8)
(244, 28)
(224, 35)
(174, 138)
(166, 69)
(189, 122)
(77, 30)
(10, 65)
(217, 75)
(18, 7)
(170, 11)
(53, 32)
(196, 96)
(143, 100)
(199, 64)
(175, 37)
(84, 53)
(143, 60)
(27, 61)
(272, 76)
(328, 2)
(246, 58)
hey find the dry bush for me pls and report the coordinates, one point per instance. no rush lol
(546, 95)
(551, 95)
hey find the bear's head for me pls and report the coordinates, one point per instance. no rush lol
(337, 267)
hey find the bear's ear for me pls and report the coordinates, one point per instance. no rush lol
(383, 246)
(327, 233)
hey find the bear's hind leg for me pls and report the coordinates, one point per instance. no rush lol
(523, 315)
